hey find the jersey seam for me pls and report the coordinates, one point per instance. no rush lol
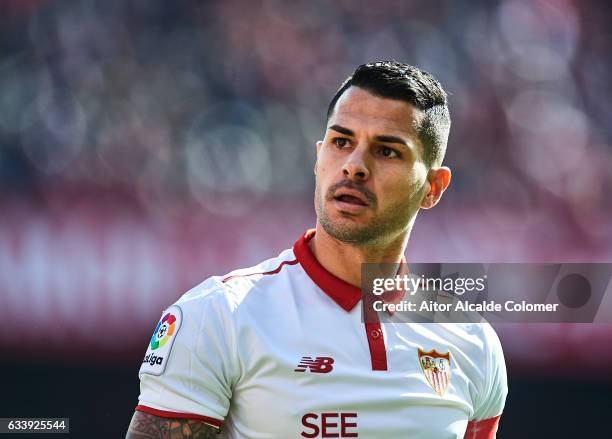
(227, 289)
(486, 393)
(201, 322)
(234, 344)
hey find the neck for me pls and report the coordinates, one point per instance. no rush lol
(344, 260)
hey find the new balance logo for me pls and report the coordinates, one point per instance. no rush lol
(318, 365)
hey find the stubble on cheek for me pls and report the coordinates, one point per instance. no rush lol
(383, 225)
(318, 202)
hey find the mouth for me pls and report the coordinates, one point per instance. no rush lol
(351, 195)
(350, 199)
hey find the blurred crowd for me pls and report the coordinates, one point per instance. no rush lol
(203, 101)
(148, 144)
(145, 145)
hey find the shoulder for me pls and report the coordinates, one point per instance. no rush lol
(489, 341)
(477, 349)
(476, 337)
(492, 391)
(478, 355)
(225, 293)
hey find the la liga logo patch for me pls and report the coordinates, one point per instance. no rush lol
(163, 331)
(158, 350)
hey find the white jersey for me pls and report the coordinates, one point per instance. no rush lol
(280, 350)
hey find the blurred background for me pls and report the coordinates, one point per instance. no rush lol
(146, 145)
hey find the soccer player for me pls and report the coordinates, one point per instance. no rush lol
(281, 350)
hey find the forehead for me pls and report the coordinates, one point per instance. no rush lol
(359, 109)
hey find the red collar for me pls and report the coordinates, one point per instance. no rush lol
(341, 292)
(344, 294)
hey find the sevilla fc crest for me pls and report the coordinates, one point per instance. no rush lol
(436, 368)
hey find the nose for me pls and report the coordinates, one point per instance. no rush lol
(355, 167)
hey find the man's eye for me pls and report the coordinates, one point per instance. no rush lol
(388, 152)
(340, 142)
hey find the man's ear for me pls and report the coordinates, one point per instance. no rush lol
(438, 179)
(318, 147)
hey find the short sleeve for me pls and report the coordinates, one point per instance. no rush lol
(189, 368)
(490, 403)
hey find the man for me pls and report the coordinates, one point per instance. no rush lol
(281, 350)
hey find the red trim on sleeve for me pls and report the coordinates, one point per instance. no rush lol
(484, 429)
(165, 414)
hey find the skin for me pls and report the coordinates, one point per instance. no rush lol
(146, 426)
(370, 146)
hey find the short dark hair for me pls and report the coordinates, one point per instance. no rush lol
(395, 80)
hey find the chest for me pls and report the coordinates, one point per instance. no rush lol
(312, 377)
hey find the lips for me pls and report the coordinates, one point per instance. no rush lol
(351, 200)
(351, 196)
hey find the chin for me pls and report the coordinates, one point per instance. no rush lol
(348, 219)
(346, 229)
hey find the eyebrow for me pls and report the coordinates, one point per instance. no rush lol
(381, 138)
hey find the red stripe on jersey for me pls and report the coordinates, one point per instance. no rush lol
(275, 271)
(166, 414)
(345, 295)
(376, 343)
(484, 429)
